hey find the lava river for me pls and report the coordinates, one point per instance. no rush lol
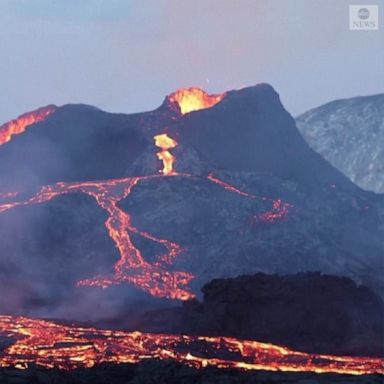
(19, 125)
(67, 347)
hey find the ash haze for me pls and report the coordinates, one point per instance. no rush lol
(126, 55)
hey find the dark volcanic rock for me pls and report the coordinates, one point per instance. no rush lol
(167, 372)
(248, 140)
(75, 143)
(307, 312)
(46, 248)
(332, 231)
(249, 130)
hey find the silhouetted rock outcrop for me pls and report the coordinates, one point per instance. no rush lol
(308, 312)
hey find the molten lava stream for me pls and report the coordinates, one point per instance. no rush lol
(53, 345)
(131, 267)
(153, 278)
(67, 347)
(279, 209)
(164, 142)
(19, 125)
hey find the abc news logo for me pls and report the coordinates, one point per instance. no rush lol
(364, 17)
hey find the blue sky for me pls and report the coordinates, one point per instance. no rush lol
(126, 55)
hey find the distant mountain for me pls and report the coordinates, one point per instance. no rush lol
(247, 195)
(349, 133)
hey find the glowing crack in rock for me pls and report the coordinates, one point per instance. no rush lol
(50, 345)
(19, 125)
(230, 187)
(193, 99)
(279, 211)
(164, 142)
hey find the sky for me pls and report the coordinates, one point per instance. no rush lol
(127, 55)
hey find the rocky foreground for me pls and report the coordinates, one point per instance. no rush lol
(309, 312)
(162, 372)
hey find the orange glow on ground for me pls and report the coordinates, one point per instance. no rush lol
(194, 99)
(19, 125)
(67, 347)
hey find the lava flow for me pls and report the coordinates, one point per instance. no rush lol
(19, 125)
(164, 142)
(154, 278)
(194, 99)
(279, 209)
(278, 212)
(48, 344)
(131, 267)
(8, 195)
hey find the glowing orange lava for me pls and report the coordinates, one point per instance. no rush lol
(154, 278)
(67, 347)
(19, 125)
(194, 99)
(278, 212)
(164, 142)
(48, 344)
(131, 267)
(8, 195)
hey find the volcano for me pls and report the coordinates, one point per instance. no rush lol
(115, 211)
(241, 192)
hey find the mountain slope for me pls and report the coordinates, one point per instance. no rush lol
(349, 133)
(76, 142)
(251, 131)
(246, 194)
